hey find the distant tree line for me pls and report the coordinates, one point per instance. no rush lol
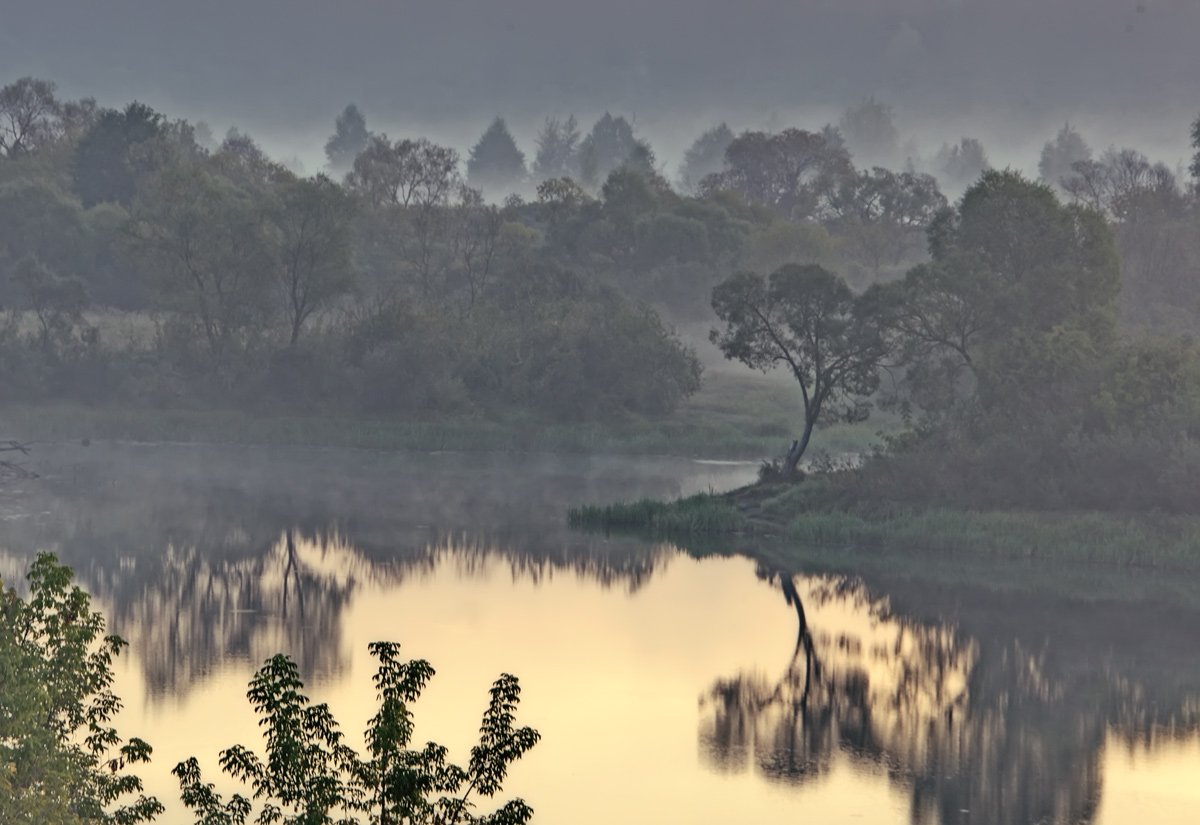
(143, 262)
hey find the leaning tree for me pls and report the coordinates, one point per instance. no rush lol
(806, 319)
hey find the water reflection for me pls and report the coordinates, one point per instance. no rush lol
(199, 562)
(192, 606)
(948, 704)
(989, 726)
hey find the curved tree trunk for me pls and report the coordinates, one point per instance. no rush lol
(796, 452)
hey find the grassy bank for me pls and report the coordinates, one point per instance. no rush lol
(796, 519)
(731, 417)
(699, 514)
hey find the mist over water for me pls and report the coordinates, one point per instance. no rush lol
(917, 278)
(708, 689)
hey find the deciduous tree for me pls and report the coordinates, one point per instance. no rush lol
(30, 116)
(792, 172)
(805, 319)
(309, 775)
(1060, 155)
(870, 131)
(314, 265)
(961, 164)
(104, 169)
(557, 149)
(706, 156)
(61, 761)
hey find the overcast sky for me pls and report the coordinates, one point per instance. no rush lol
(1008, 70)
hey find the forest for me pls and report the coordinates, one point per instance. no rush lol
(1033, 336)
(1024, 343)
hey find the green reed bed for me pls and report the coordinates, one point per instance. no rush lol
(1107, 538)
(699, 514)
(817, 514)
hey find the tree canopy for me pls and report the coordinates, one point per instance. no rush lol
(309, 775)
(495, 164)
(61, 760)
(806, 320)
(610, 144)
(706, 156)
(350, 136)
(791, 172)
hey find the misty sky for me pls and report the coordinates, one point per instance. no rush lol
(1008, 70)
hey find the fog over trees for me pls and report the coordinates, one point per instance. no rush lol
(1119, 67)
(539, 226)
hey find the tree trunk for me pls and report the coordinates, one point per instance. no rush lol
(796, 452)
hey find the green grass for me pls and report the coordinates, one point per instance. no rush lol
(1094, 538)
(699, 514)
(887, 566)
(818, 514)
(733, 416)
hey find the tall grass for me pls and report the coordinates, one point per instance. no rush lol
(698, 514)
(1105, 538)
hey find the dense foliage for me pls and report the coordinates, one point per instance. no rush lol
(142, 265)
(61, 761)
(140, 268)
(309, 776)
(1005, 352)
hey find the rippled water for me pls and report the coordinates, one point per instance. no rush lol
(668, 686)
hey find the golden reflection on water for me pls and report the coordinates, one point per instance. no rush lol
(666, 688)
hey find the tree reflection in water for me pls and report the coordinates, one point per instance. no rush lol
(977, 728)
(982, 707)
(199, 562)
(238, 593)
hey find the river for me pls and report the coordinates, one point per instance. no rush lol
(670, 684)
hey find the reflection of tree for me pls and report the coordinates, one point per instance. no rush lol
(192, 612)
(196, 569)
(985, 729)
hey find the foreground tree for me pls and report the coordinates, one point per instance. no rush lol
(60, 760)
(806, 319)
(309, 775)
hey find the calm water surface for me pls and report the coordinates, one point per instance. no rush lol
(667, 687)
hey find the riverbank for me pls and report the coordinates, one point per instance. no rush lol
(731, 417)
(796, 519)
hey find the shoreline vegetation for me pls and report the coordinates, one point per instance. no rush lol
(791, 524)
(1031, 341)
(730, 417)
